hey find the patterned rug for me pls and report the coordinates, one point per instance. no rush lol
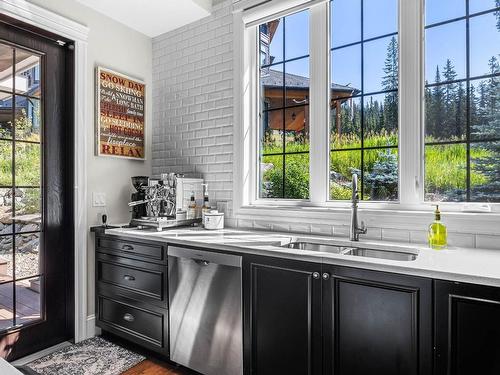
(94, 356)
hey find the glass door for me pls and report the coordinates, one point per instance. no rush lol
(21, 253)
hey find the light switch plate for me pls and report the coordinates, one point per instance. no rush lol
(98, 199)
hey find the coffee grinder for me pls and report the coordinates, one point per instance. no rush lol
(139, 183)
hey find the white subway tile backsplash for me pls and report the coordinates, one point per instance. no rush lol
(487, 242)
(389, 234)
(418, 236)
(461, 240)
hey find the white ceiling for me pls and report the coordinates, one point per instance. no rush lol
(152, 17)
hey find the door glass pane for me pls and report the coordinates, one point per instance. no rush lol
(27, 120)
(28, 164)
(6, 58)
(6, 116)
(28, 209)
(28, 300)
(6, 305)
(5, 211)
(27, 255)
(5, 163)
(6, 250)
(27, 73)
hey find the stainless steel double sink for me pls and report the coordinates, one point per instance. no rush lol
(362, 251)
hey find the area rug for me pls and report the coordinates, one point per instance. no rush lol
(94, 356)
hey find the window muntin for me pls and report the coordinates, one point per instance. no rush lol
(284, 107)
(21, 258)
(364, 98)
(462, 101)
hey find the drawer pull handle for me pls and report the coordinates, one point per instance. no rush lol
(129, 278)
(127, 247)
(128, 317)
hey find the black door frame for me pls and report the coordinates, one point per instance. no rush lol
(17, 33)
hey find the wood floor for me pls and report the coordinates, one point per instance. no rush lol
(153, 367)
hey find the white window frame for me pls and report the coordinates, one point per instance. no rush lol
(247, 16)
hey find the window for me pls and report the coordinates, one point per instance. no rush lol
(364, 98)
(462, 101)
(409, 102)
(284, 107)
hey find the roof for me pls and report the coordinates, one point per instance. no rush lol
(275, 79)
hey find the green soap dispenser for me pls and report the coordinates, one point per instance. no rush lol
(438, 235)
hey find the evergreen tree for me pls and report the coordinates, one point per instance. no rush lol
(489, 128)
(390, 82)
(450, 126)
(437, 110)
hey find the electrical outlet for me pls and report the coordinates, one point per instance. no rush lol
(98, 199)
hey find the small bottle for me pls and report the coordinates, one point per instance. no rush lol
(438, 236)
(206, 205)
(191, 211)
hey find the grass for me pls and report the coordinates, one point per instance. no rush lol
(445, 165)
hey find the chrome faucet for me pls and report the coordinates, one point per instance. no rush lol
(355, 229)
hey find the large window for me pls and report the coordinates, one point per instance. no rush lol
(407, 100)
(364, 98)
(462, 101)
(284, 107)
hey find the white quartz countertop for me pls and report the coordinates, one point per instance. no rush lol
(475, 266)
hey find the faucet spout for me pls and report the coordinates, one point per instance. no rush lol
(355, 229)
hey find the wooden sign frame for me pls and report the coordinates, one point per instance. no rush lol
(120, 115)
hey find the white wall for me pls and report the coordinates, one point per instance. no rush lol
(193, 101)
(112, 45)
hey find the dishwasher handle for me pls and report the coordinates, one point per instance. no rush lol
(205, 257)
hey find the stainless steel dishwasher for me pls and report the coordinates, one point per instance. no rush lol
(205, 297)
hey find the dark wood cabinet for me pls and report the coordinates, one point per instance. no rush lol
(376, 322)
(304, 318)
(467, 329)
(282, 316)
(131, 290)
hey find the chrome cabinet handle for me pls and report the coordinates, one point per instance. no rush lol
(326, 276)
(315, 275)
(128, 317)
(129, 278)
(127, 247)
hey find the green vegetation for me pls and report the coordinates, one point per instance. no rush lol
(445, 167)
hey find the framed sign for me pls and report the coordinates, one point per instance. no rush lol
(120, 109)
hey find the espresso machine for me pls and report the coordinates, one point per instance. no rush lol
(159, 203)
(139, 182)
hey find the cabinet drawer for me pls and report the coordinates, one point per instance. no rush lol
(135, 322)
(130, 248)
(134, 277)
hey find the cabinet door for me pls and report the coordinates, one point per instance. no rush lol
(467, 329)
(282, 317)
(376, 323)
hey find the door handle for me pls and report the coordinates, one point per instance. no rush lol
(127, 247)
(315, 275)
(326, 276)
(128, 317)
(129, 278)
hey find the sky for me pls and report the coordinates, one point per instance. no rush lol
(380, 18)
